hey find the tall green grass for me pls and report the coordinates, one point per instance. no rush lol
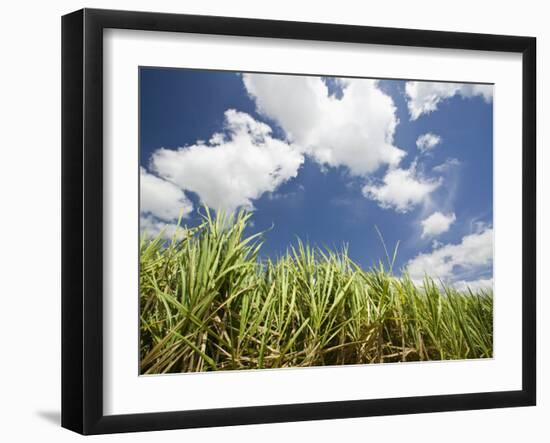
(207, 303)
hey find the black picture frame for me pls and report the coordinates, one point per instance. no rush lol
(82, 218)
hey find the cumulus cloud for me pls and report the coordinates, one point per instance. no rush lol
(402, 189)
(234, 168)
(437, 224)
(354, 130)
(151, 227)
(450, 262)
(427, 142)
(474, 285)
(424, 97)
(162, 199)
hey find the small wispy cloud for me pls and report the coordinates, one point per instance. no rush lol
(437, 224)
(447, 165)
(425, 97)
(427, 142)
(402, 189)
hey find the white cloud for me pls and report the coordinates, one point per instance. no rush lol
(450, 262)
(402, 189)
(427, 142)
(436, 244)
(424, 97)
(355, 130)
(437, 224)
(233, 169)
(152, 227)
(161, 198)
(474, 285)
(447, 165)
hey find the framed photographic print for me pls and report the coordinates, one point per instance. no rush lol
(269, 221)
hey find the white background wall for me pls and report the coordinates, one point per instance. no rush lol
(30, 219)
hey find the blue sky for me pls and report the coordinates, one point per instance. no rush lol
(327, 160)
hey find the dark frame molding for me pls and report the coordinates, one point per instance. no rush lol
(82, 218)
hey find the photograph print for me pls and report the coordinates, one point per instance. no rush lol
(293, 221)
